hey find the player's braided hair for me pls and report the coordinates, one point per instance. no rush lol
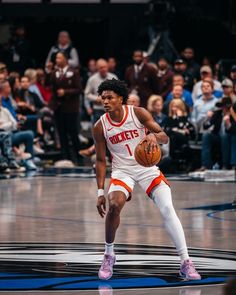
(119, 87)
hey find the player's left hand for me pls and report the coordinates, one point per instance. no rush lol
(151, 143)
(101, 206)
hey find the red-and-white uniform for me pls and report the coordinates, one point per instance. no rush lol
(121, 139)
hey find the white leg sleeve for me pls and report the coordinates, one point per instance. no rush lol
(161, 196)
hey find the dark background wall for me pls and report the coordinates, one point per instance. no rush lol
(115, 29)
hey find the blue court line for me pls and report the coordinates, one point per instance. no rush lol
(212, 215)
(217, 208)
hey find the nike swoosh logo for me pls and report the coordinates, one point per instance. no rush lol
(110, 129)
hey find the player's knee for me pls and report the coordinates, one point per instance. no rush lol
(167, 211)
(115, 208)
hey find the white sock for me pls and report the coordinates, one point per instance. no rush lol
(161, 196)
(109, 249)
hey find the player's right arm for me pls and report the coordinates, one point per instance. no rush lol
(100, 147)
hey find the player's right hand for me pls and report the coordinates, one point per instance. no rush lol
(101, 206)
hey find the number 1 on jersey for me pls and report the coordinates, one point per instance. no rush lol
(129, 150)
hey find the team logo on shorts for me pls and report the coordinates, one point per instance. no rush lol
(75, 266)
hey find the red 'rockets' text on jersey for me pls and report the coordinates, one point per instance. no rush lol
(123, 137)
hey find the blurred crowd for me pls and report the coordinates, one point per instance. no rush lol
(53, 108)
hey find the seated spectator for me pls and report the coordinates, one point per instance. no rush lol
(63, 45)
(8, 138)
(186, 95)
(220, 130)
(133, 99)
(31, 74)
(178, 92)
(29, 106)
(2, 77)
(179, 129)
(44, 89)
(155, 106)
(43, 111)
(92, 103)
(206, 73)
(3, 71)
(25, 121)
(233, 74)
(87, 72)
(203, 107)
(6, 147)
(14, 82)
(180, 67)
(227, 86)
(164, 77)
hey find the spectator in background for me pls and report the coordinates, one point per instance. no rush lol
(18, 51)
(3, 71)
(30, 102)
(186, 95)
(65, 102)
(112, 67)
(193, 67)
(177, 94)
(206, 73)
(227, 86)
(26, 110)
(233, 75)
(2, 77)
(63, 45)
(31, 74)
(203, 107)
(221, 131)
(93, 103)
(13, 137)
(43, 88)
(14, 82)
(155, 106)
(141, 79)
(179, 129)
(133, 99)
(87, 72)
(164, 77)
(180, 67)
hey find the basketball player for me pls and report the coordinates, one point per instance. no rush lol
(121, 128)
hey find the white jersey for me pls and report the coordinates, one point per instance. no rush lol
(123, 137)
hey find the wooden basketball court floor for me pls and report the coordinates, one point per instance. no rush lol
(61, 210)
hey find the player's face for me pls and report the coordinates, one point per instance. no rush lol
(111, 101)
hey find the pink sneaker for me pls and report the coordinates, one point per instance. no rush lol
(106, 269)
(188, 271)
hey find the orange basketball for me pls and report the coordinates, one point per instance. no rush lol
(144, 158)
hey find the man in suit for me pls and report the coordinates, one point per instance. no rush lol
(141, 78)
(66, 87)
